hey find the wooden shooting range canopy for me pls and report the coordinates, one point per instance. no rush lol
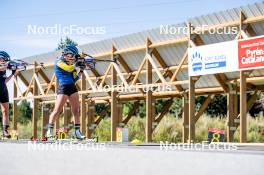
(149, 57)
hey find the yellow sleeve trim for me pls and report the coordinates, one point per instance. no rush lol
(64, 66)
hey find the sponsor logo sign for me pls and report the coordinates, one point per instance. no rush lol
(211, 59)
(228, 56)
(251, 53)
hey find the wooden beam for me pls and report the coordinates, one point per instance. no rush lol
(50, 85)
(230, 115)
(164, 66)
(252, 100)
(45, 78)
(203, 107)
(120, 113)
(243, 108)
(149, 99)
(153, 64)
(165, 109)
(102, 114)
(191, 110)
(138, 72)
(185, 118)
(90, 82)
(105, 75)
(246, 27)
(170, 68)
(221, 82)
(114, 102)
(131, 112)
(128, 70)
(15, 87)
(174, 76)
(29, 88)
(44, 119)
(124, 64)
(90, 118)
(35, 105)
(82, 104)
(38, 84)
(119, 73)
(57, 121)
(23, 79)
(66, 115)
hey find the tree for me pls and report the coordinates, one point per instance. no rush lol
(24, 112)
(64, 42)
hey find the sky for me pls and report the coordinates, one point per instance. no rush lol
(114, 17)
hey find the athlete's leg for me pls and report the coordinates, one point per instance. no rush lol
(5, 120)
(5, 111)
(60, 101)
(74, 102)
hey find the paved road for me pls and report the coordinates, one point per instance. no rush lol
(108, 159)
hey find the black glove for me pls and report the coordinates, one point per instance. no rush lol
(13, 71)
(80, 64)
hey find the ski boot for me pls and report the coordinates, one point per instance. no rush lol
(6, 135)
(77, 132)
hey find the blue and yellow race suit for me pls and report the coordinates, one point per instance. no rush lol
(66, 76)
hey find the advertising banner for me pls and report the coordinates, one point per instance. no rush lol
(251, 53)
(228, 56)
(213, 58)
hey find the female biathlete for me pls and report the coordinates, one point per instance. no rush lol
(4, 98)
(67, 76)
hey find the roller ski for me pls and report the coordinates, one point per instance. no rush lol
(62, 135)
(77, 132)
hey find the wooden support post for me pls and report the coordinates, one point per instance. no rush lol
(45, 119)
(90, 118)
(35, 104)
(67, 115)
(230, 115)
(57, 121)
(114, 102)
(120, 113)
(15, 105)
(185, 118)
(191, 109)
(235, 101)
(149, 101)
(243, 108)
(83, 105)
(114, 114)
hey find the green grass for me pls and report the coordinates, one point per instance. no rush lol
(169, 129)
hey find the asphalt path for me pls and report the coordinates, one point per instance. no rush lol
(23, 158)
